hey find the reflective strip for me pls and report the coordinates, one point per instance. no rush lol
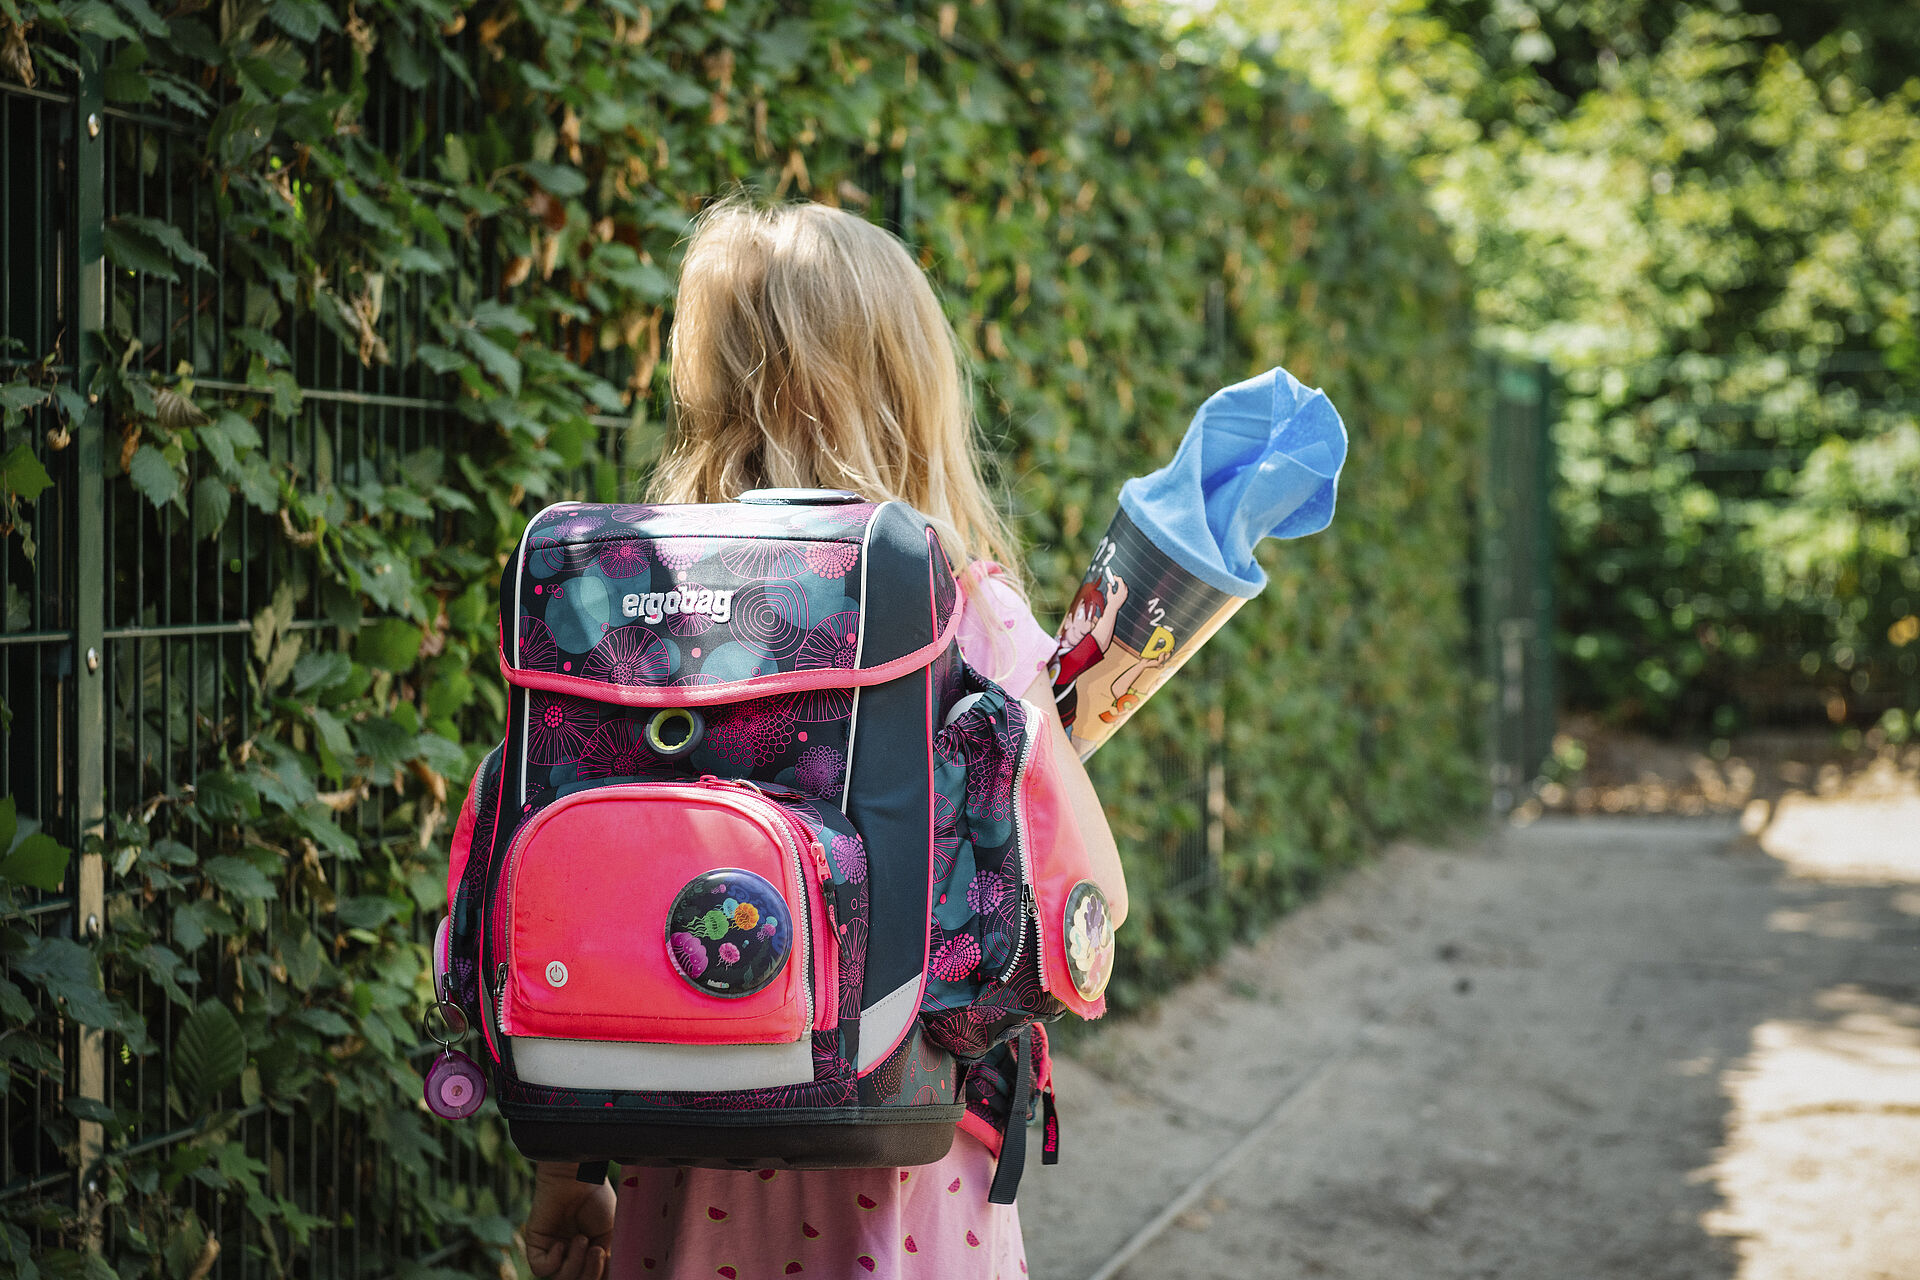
(884, 1025)
(702, 1068)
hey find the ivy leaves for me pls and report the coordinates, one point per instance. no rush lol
(209, 1053)
(1115, 235)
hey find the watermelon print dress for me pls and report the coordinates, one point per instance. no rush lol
(930, 1222)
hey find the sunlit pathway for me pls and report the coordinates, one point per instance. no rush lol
(1600, 1048)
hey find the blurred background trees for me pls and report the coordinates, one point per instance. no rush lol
(1704, 216)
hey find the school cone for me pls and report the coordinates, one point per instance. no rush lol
(1260, 460)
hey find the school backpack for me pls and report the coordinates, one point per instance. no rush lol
(763, 874)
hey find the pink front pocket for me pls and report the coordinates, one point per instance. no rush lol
(663, 913)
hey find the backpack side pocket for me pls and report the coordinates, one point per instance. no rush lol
(982, 986)
(456, 950)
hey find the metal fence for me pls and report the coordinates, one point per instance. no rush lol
(1514, 608)
(123, 643)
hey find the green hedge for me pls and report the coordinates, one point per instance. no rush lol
(484, 206)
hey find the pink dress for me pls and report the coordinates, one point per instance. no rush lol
(846, 1224)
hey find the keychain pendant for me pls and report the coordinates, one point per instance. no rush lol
(455, 1086)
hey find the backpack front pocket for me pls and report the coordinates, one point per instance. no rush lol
(674, 914)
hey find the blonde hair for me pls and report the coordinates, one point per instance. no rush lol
(808, 350)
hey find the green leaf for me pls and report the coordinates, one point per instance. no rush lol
(13, 1004)
(194, 922)
(164, 965)
(262, 344)
(172, 853)
(22, 474)
(495, 359)
(238, 877)
(498, 315)
(391, 644)
(150, 246)
(211, 501)
(90, 1109)
(9, 821)
(258, 484)
(325, 1021)
(16, 396)
(782, 47)
(214, 438)
(441, 359)
(386, 743)
(154, 476)
(408, 67)
(367, 912)
(186, 1239)
(222, 796)
(320, 671)
(38, 861)
(17, 1252)
(67, 972)
(333, 735)
(305, 959)
(559, 180)
(319, 822)
(97, 19)
(143, 16)
(209, 1052)
(303, 19)
(443, 757)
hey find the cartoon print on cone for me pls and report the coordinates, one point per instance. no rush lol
(1135, 620)
(1261, 459)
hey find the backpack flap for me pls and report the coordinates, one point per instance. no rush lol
(706, 606)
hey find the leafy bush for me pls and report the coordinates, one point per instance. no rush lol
(480, 209)
(1702, 215)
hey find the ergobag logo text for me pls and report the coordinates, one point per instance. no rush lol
(688, 900)
(657, 606)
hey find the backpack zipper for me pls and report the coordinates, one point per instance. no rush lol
(1029, 910)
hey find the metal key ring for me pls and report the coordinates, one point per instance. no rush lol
(453, 1020)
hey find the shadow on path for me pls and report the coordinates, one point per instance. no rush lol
(1590, 1048)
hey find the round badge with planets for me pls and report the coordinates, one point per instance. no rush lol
(729, 933)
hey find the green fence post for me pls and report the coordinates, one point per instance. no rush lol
(90, 703)
(1541, 690)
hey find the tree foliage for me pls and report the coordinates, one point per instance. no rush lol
(482, 207)
(1704, 215)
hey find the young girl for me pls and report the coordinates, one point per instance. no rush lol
(809, 351)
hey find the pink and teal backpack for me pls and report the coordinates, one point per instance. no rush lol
(763, 874)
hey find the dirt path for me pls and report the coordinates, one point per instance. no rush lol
(1623, 1047)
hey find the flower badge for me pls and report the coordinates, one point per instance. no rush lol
(725, 933)
(1089, 934)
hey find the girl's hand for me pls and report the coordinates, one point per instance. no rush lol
(569, 1229)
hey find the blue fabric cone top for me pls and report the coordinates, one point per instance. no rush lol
(1260, 460)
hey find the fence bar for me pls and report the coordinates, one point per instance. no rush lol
(90, 705)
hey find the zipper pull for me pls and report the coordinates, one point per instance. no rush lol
(831, 895)
(1049, 1129)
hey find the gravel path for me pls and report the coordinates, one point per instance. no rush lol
(1621, 1047)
